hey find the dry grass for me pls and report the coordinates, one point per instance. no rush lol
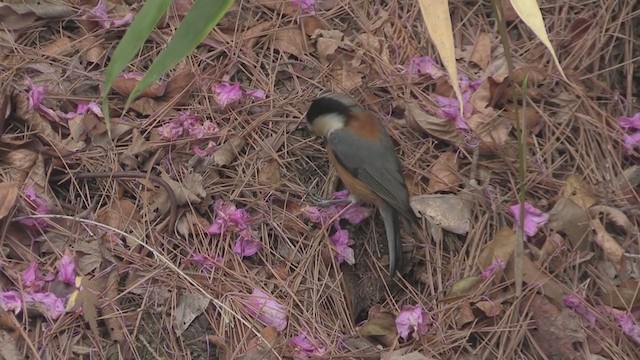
(140, 291)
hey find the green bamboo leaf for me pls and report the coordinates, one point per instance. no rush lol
(202, 17)
(137, 33)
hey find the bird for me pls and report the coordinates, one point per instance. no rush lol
(364, 157)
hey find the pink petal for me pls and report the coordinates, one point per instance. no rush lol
(424, 65)
(206, 261)
(246, 245)
(343, 252)
(492, 268)
(631, 141)
(266, 309)
(305, 346)
(307, 6)
(50, 305)
(412, 319)
(10, 301)
(534, 219)
(67, 269)
(577, 304)
(170, 131)
(210, 149)
(226, 93)
(631, 122)
(256, 94)
(32, 279)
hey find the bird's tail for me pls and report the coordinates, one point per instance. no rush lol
(392, 226)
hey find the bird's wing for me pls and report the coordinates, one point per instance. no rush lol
(375, 164)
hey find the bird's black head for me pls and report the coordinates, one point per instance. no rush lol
(327, 105)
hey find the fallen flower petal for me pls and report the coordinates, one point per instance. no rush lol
(534, 218)
(492, 268)
(343, 252)
(206, 261)
(266, 309)
(246, 244)
(48, 303)
(631, 141)
(226, 93)
(423, 65)
(10, 301)
(207, 151)
(412, 319)
(307, 6)
(576, 304)
(99, 14)
(305, 347)
(630, 122)
(67, 269)
(32, 279)
(256, 94)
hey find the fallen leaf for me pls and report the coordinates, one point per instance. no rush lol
(624, 296)
(576, 190)
(327, 42)
(312, 23)
(228, 152)
(374, 45)
(481, 53)
(269, 172)
(500, 248)
(464, 314)
(538, 278)
(258, 349)
(573, 220)
(24, 13)
(614, 215)
(124, 86)
(556, 331)
(464, 287)
(290, 41)
(189, 307)
(85, 297)
(178, 86)
(612, 250)
(448, 211)
(59, 46)
(18, 164)
(490, 308)
(440, 128)
(492, 129)
(190, 190)
(346, 77)
(91, 50)
(8, 196)
(120, 214)
(443, 175)
(381, 325)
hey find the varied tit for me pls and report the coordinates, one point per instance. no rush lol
(365, 159)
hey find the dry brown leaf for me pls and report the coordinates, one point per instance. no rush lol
(269, 172)
(190, 306)
(120, 214)
(190, 224)
(441, 128)
(258, 350)
(402, 355)
(148, 106)
(290, 41)
(188, 191)
(464, 314)
(374, 45)
(346, 77)
(493, 131)
(311, 23)
(19, 15)
(490, 308)
(612, 250)
(327, 42)
(481, 53)
(500, 248)
(381, 325)
(8, 196)
(464, 287)
(624, 296)
(448, 211)
(92, 257)
(124, 86)
(18, 164)
(536, 277)
(92, 50)
(443, 175)
(577, 190)
(58, 47)
(571, 219)
(9, 349)
(285, 7)
(556, 331)
(178, 86)
(613, 215)
(228, 152)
